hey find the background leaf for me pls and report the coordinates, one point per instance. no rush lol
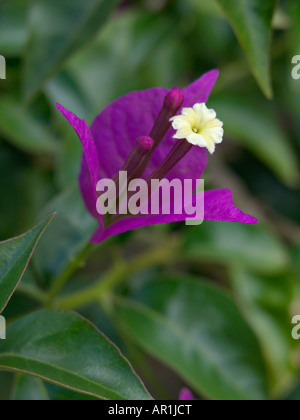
(253, 127)
(211, 8)
(70, 233)
(65, 349)
(251, 21)
(23, 130)
(236, 245)
(266, 301)
(28, 388)
(52, 44)
(147, 48)
(196, 329)
(13, 28)
(57, 393)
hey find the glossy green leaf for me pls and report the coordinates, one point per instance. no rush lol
(197, 330)
(59, 28)
(58, 393)
(255, 128)
(28, 388)
(236, 244)
(65, 349)
(266, 302)
(23, 130)
(15, 255)
(252, 22)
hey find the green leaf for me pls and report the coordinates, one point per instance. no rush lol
(59, 28)
(23, 130)
(209, 8)
(149, 53)
(71, 148)
(6, 385)
(291, 90)
(294, 13)
(234, 244)
(294, 394)
(57, 393)
(266, 302)
(65, 349)
(28, 388)
(68, 89)
(252, 23)
(255, 128)
(197, 330)
(13, 31)
(69, 235)
(15, 255)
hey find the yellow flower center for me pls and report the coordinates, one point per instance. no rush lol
(199, 126)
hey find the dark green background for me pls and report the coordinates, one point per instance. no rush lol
(207, 307)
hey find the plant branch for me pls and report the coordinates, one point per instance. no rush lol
(117, 275)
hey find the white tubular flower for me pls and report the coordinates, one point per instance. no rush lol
(199, 126)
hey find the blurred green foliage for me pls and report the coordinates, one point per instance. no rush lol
(214, 304)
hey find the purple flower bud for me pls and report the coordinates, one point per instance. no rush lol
(174, 100)
(134, 164)
(144, 145)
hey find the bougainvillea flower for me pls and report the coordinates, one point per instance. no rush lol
(199, 126)
(186, 395)
(110, 145)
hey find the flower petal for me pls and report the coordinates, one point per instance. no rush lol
(218, 205)
(186, 395)
(118, 126)
(114, 132)
(90, 173)
(116, 129)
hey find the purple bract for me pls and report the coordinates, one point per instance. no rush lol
(109, 143)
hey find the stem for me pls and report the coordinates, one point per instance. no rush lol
(62, 279)
(116, 276)
(179, 150)
(32, 292)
